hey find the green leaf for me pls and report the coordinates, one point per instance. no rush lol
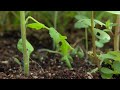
(106, 70)
(83, 23)
(108, 61)
(106, 56)
(78, 17)
(54, 35)
(115, 54)
(78, 51)
(99, 22)
(103, 36)
(36, 26)
(109, 24)
(116, 67)
(99, 44)
(106, 76)
(80, 54)
(62, 45)
(114, 12)
(94, 70)
(29, 47)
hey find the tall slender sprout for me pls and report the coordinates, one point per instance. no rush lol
(23, 35)
(93, 36)
(86, 42)
(55, 19)
(117, 36)
(96, 60)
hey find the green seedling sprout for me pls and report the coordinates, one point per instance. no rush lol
(18, 62)
(23, 44)
(61, 44)
(101, 36)
(112, 58)
(93, 38)
(117, 30)
(24, 49)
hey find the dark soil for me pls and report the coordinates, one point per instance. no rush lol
(43, 65)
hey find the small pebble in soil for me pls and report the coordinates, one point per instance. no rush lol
(59, 66)
(53, 74)
(49, 74)
(31, 73)
(17, 76)
(42, 77)
(89, 75)
(35, 77)
(10, 69)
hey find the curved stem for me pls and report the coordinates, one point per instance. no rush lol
(29, 17)
(51, 51)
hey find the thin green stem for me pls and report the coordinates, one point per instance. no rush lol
(96, 60)
(29, 17)
(50, 51)
(55, 19)
(117, 36)
(86, 41)
(93, 36)
(23, 35)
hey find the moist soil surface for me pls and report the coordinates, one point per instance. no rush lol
(43, 65)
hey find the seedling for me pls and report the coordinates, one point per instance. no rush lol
(78, 52)
(112, 58)
(22, 43)
(61, 44)
(99, 37)
(117, 30)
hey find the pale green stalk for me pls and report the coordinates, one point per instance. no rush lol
(23, 35)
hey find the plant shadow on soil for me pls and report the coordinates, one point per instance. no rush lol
(43, 65)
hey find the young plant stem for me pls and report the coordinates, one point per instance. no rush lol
(23, 35)
(96, 60)
(116, 35)
(55, 19)
(29, 17)
(50, 51)
(86, 42)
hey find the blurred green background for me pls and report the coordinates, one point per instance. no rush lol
(9, 20)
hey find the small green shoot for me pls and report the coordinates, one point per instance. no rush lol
(101, 35)
(61, 44)
(112, 58)
(18, 62)
(29, 47)
(78, 51)
(117, 30)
